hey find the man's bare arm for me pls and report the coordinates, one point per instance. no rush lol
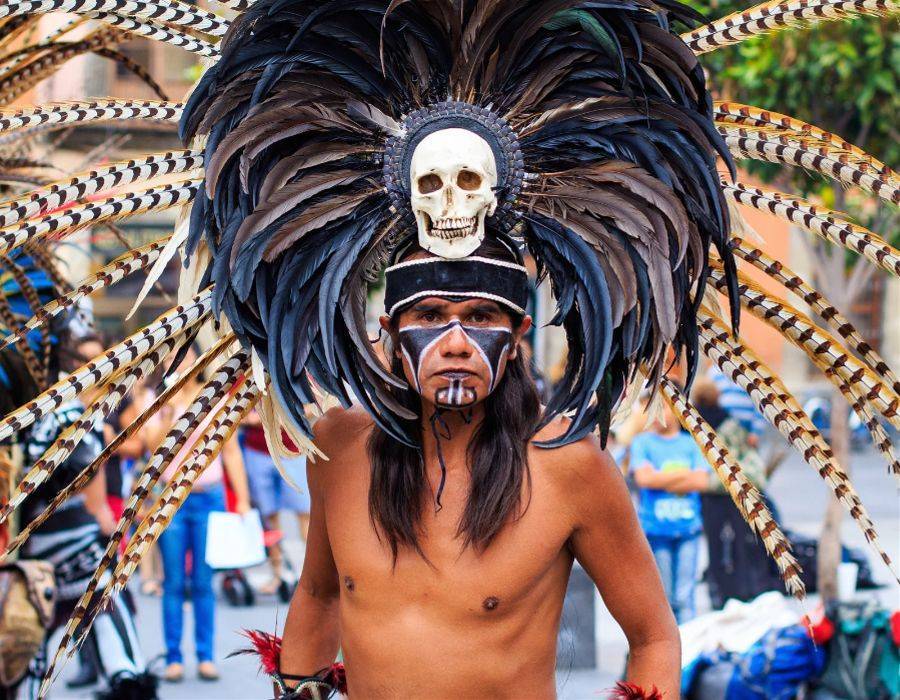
(311, 632)
(608, 542)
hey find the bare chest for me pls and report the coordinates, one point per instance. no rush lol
(527, 561)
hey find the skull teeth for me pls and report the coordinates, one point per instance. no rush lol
(458, 227)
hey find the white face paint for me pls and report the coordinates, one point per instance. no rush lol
(453, 173)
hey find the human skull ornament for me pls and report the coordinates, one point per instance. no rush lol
(453, 174)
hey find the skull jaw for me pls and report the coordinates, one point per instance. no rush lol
(451, 239)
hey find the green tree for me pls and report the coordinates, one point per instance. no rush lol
(842, 77)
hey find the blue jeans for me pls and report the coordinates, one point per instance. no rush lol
(269, 490)
(187, 532)
(676, 558)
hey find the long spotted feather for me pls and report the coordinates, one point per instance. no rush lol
(126, 264)
(773, 16)
(115, 208)
(131, 349)
(745, 495)
(67, 113)
(158, 32)
(133, 67)
(33, 299)
(222, 427)
(11, 321)
(820, 346)
(824, 223)
(879, 435)
(828, 313)
(760, 371)
(851, 167)
(86, 474)
(209, 396)
(87, 185)
(168, 11)
(31, 72)
(110, 397)
(780, 146)
(731, 357)
(220, 430)
(11, 60)
(738, 113)
(13, 27)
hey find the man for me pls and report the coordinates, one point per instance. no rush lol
(670, 471)
(332, 133)
(444, 577)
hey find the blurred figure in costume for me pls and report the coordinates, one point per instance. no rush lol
(436, 144)
(71, 539)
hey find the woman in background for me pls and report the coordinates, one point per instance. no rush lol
(187, 533)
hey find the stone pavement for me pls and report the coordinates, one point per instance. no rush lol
(797, 489)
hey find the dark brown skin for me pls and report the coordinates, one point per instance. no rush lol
(469, 624)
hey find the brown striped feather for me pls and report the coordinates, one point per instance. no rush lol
(745, 495)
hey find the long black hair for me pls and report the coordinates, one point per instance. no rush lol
(497, 459)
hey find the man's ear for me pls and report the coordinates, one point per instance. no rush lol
(518, 334)
(388, 328)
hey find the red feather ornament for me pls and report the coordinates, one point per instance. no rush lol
(632, 691)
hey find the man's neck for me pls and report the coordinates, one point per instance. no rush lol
(454, 429)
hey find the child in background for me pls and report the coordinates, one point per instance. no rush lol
(669, 471)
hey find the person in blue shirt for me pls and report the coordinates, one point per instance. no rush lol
(670, 471)
(739, 406)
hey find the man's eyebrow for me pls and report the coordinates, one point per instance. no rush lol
(428, 306)
(487, 307)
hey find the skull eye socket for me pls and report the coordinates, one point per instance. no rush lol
(429, 183)
(467, 180)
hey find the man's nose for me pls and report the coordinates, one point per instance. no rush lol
(456, 343)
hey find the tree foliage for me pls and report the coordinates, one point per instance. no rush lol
(840, 76)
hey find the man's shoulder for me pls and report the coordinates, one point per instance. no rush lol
(338, 426)
(340, 434)
(582, 461)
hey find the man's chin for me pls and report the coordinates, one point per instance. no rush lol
(456, 396)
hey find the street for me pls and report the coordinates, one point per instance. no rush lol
(797, 489)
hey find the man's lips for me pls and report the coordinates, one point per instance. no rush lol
(456, 374)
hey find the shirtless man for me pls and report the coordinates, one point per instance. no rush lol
(469, 603)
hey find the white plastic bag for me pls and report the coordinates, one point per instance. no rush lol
(234, 541)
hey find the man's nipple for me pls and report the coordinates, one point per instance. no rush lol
(349, 583)
(490, 603)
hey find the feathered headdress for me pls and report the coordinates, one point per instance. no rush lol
(600, 123)
(300, 143)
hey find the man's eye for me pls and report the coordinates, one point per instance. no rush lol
(428, 316)
(479, 317)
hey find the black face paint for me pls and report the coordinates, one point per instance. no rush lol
(492, 345)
